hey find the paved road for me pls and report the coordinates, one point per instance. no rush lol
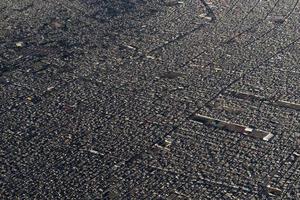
(99, 98)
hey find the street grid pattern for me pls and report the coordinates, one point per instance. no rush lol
(97, 99)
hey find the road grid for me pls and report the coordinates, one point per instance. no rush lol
(156, 99)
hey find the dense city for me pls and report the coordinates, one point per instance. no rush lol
(150, 99)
